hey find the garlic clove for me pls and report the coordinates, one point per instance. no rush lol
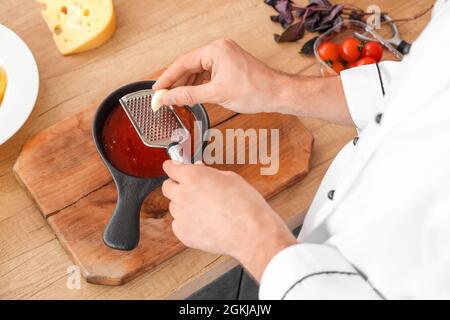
(157, 99)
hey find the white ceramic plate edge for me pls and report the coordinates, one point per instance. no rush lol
(23, 83)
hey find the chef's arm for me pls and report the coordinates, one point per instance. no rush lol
(350, 99)
(225, 74)
(314, 97)
(311, 271)
(219, 212)
(365, 88)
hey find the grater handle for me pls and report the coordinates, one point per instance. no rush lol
(175, 152)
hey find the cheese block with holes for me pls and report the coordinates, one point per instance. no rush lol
(79, 25)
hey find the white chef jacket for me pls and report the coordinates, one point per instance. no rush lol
(379, 226)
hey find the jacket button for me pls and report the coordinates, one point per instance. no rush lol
(355, 141)
(378, 118)
(331, 194)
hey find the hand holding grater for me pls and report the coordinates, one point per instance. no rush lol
(160, 129)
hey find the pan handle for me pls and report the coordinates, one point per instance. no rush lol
(123, 229)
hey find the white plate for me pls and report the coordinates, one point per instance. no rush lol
(23, 83)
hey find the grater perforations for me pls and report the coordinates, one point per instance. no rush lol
(154, 128)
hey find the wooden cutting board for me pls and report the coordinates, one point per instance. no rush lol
(63, 174)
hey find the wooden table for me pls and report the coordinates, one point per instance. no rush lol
(149, 35)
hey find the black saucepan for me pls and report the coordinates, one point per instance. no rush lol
(123, 229)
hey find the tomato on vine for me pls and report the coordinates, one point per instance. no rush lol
(350, 50)
(338, 67)
(365, 61)
(373, 50)
(328, 51)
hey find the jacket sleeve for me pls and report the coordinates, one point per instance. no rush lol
(365, 87)
(312, 271)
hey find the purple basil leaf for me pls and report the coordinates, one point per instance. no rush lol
(284, 9)
(324, 27)
(291, 34)
(317, 16)
(333, 13)
(338, 20)
(275, 18)
(283, 6)
(271, 3)
(279, 19)
(323, 3)
(324, 14)
(285, 24)
(299, 12)
(311, 21)
(308, 47)
(355, 15)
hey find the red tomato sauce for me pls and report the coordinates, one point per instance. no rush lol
(125, 150)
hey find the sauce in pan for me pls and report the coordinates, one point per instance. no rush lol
(125, 150)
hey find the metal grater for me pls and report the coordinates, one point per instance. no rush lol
(160, 129)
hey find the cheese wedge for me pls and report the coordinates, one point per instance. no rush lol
(79, 25)
(3, 81)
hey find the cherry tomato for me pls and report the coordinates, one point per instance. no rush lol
(350, 50)
(374, 50)
(366, 60)
(329, 51)
(338, 67)
(351, 65)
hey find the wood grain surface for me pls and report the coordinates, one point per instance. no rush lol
(150, 34)
(82, 214)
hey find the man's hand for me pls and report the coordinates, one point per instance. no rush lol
(225, 74)
(219, 212)
(222, 73)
